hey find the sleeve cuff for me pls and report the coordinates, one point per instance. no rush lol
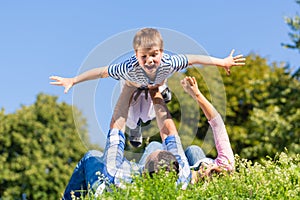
(216, 121)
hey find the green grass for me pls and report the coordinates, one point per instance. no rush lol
(276, 178)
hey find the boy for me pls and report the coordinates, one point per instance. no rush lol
(147, 69)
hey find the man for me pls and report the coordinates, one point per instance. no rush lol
(113, 168)
(96, 170)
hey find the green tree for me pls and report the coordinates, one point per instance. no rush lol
(269, 108)
(294, 25)
(39, 148)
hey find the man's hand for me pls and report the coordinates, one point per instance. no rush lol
(156, 96)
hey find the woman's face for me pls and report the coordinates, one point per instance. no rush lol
(205, 170)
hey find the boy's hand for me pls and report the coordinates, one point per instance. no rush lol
(66, 82)
(231, 61)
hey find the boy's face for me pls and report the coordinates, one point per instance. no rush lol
(149, 59)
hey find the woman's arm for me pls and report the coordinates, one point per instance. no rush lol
(190, 85)
(225, 156)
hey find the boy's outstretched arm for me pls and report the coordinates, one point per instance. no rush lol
(67, 83)
(226, 63)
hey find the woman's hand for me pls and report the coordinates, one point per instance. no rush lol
(190, 86)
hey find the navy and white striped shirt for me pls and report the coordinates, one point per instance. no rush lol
(130, 69)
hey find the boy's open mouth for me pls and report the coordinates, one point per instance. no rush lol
(150, 67)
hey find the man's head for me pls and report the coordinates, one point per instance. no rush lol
(148, 47)
(161, 160)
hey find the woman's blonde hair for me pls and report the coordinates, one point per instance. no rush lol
(147, 38)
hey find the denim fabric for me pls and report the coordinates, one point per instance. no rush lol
(194, 154)
(84, 173)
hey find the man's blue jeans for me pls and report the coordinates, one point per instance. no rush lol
(84, 174)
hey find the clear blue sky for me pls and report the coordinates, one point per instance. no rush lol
(43, 38)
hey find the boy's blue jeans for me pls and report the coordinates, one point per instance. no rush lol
(84, 175)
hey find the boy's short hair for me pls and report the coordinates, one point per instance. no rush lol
(147, 38)
(161, 160)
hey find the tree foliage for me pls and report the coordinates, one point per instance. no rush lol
(39, 148)
(294, 25)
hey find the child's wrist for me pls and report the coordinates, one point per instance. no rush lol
(74, 80)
